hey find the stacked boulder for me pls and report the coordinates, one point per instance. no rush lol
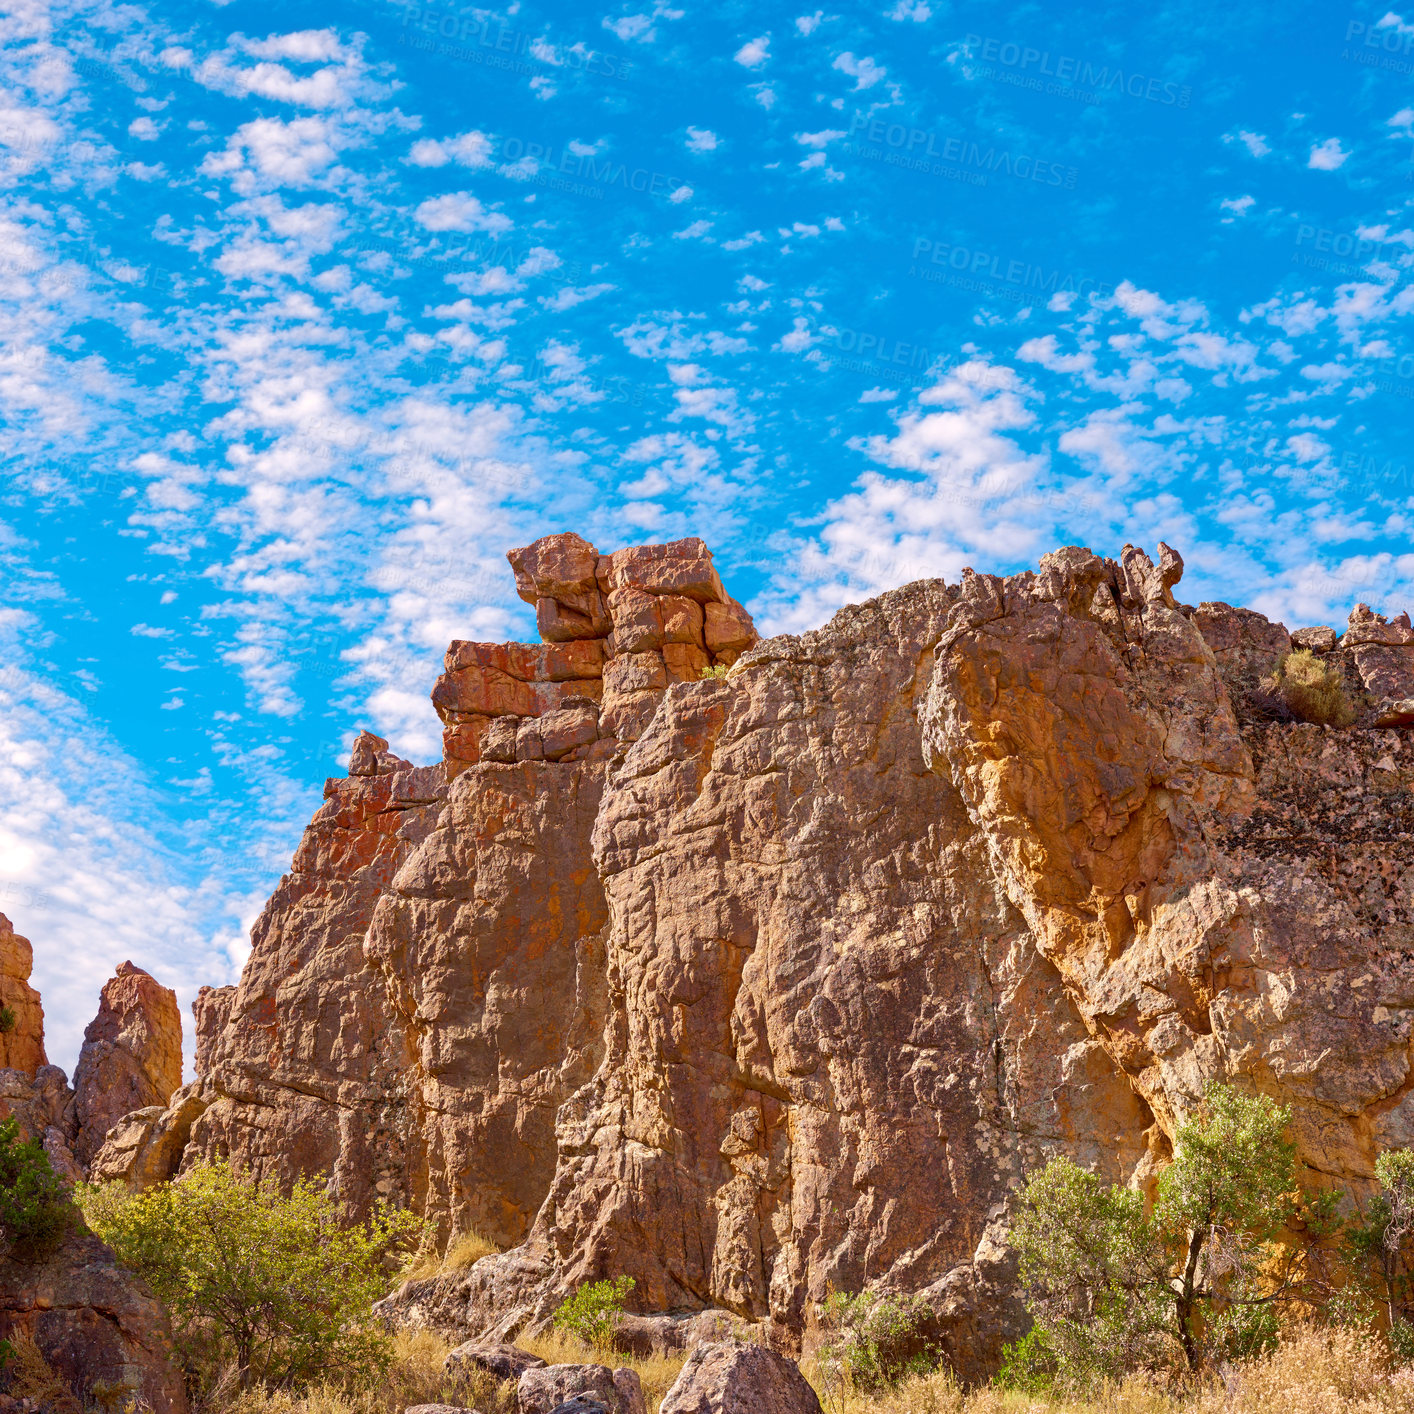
(619, 629)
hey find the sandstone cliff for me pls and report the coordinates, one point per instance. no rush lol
(750, 985)
(93, 1321)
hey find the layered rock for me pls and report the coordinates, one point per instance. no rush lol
(753, 986)
(131, 1056)
(95, 1323)
(92, 1321)
(22, 1018)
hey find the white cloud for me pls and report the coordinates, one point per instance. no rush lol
(460, 211)
(632, 27)
(915, 10)
(471, 149)
(754, 52)
(701, 140)
(1255, 143)
(680, 194)
(798, 340)
(865, 72)
(808, 24)
(1327, 156)
(144, 129)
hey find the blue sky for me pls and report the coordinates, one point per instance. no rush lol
(309, 312)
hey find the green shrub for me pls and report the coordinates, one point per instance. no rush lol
(1028, 1365)
(877, 1339)
(8, 1020)
(276, 1284)
(594, 1311)
(35, 1208)
(1113, 1290)
(1313, 689)
(717, 670)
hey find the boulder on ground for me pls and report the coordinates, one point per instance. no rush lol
(547, 1389)
(505, 1362)
(732, 1377)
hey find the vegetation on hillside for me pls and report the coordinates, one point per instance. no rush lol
(269, 1284)
(1227, 1291)
(35, 1208)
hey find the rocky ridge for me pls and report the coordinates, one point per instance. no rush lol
(94, 1322)
(752, 985)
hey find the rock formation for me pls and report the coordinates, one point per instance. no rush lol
(734, 1378)
(750, 985)
(131, 1056)
(94, 1323)
(22, 1017)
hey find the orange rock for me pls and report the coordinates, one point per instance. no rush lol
(131, 1056)
(22, 1042)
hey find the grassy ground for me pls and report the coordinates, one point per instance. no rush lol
(1314, 1372)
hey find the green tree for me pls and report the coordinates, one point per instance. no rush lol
(1113, 1289)
(1380, 1245)
(275, 1282)
(35, 1208)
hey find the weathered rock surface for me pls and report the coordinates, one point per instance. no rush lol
(131, 1056)
(147, 1146)
(734, 1378)
(506, 1362)
(93, 1322)
(748, 987)
(22, 1040)
(549, 1387)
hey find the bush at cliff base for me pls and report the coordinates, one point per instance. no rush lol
(1230, 1247)
(35, 1209)
(594, 1311)
(275, 1284)
(1114, 1289)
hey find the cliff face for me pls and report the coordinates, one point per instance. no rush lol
(93, 1321)
(749, 985)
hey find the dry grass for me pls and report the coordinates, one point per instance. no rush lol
(415, 1377)
(1313, 1372)
(657, 1372)
(30, 1376)
(462, 1251)
(1313, 689)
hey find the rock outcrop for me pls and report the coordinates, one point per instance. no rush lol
(94, 1323)
(544, 1389)
(21, 1016)
(753, 983)
(735, 1378)
(131, 1056)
